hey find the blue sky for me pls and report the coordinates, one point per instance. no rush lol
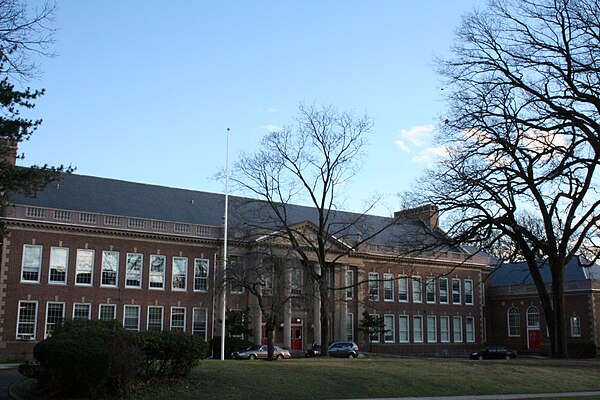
(145, 90)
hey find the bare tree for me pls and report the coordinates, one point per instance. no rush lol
(523, 139)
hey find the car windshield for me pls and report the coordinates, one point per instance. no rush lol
(251, 348)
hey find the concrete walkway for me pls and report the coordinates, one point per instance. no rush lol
(497, 396)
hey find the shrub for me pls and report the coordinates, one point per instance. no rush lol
(171, 355)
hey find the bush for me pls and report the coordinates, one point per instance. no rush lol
(171, 355)
(231, 345)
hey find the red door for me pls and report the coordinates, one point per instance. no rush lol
(296, 336)
(533, 339)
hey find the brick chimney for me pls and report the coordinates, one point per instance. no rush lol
(8, 150)
(428, 214)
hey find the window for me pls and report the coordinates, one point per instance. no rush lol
(178, 319)
(199, 322)
(430, 289)
(82, 311)
(200, 275)
(431, 329)
(482, 293)
(374, 334)
(157, 272)
(55, 315)
(155, 319)
(350, 326)
(110, 268)
(417, 289)
(373, 286)
(455, 291)
(27, 320)
(444, 329)
(32, 263)
(180, 267)
(468, 291)
(107, 312)
(349, 285)
(575, 326)
(403, 289)
(514, 322)
(59, 257)
(133, 273)
(533, 317)
(131, 318)
(417, 328)
(84, 267)
(297, 281)
(457, 325)
(388, 326)
(388, 287)
(403, 329)
(470, 328)
(443, 290)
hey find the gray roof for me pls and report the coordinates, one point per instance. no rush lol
(518, 273)
(116, 197)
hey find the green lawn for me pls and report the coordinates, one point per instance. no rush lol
(323, 378)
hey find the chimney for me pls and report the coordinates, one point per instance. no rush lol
(428, 214)
(8, 150)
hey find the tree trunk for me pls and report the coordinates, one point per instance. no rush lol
(270, 330)
(325, 339)
(560, 328)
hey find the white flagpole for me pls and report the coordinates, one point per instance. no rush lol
(224, 292)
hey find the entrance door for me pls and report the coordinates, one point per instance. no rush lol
(296, 335)
(533, 339)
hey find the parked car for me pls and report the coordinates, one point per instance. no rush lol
(314, 352)
(494, 352)
(343, 349)
(258, 351)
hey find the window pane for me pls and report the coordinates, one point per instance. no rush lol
(403, 289)
(131, 318)
(403, 328)
(84, 267)
(55, 315)
(108, 312)
(32, 262)
(199, 323)
(388, 287)
(514, 323)
(200, 274)
(431, 329)
(133, 275)
(178, 319)
(26, 320)
(444, 290)
(373, 286)
(81, 311)
(180, 266)
(157, 271)
(155, 318)
(110, 268)
(58, 264)
(417, 328)
(388, 324)
(417, 289)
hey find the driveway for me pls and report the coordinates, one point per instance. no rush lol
(8, 376)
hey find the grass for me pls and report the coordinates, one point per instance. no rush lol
(323, 378)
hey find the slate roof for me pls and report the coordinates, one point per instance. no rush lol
(518, 273)
(116, 197)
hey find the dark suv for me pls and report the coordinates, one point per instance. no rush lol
(343, 349)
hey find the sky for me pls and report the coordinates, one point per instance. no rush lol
(144, 91)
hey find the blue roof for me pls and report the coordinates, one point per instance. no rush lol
(518, 273)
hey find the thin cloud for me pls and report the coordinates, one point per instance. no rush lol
(272, 109)
(417, 135)
(430, 154)
(272, 127)
(402, 146)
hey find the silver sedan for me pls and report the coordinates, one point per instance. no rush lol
(258, 351)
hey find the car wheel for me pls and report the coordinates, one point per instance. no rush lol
(252, 357)
(352, 355)
(507, 357)
(279, 357)
(480, 357)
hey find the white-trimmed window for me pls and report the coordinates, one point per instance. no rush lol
(443, 290)
(533, 317)
(180, 268)
(133, 272)
(374, 286)
(417, 289)
(84, 267)
(457, 329)
(444, 329)
(418, 328)
(157, 271)
(431, 328)
(403, 289)
(403, 329)
(575, 326)
(468, 291)
(388, 325)
(349, 285)
(200, 275)
(430, 289)
(514, 322)
(268, 279)
(456, 291)
(470, 329)
(110, 268)
(55, 315)
(155, 318)
(59, 259)
(131, 317)
(350, 326)
(107, 312)
(82, 311)
(374, 334)
(388, 287)
(178, 319)
(199, 322)
(297, 281)
(27, 320)
(31, 265)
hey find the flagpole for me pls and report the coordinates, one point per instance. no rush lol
(224, 291)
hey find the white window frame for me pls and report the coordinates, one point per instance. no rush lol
(432, 329)
(114, 311)
(377, 332)
(417, 289)
(139, 262)
(444, 293)
(162, 318)
(105, 255)
(27, 259)
(349, 284)
(296, 281)
(82, 255)
(456, 292)
(86, 305)
(200, 279)
(470, 329)
(178, 328)
(457, 329)
(350, 326)
(445, 329)
(388, 287)
(389, 335)
(469, 293)
(139, 316)
(533, 317)
(575, 324)
(54, 265)
(156, 280)
(512, 324)
(20, 335)
(46, 330)
(174, 275)
(199, 311)
(403, 331)
(417, 328)
(373, 286)
(402, 289)
(430, 287)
